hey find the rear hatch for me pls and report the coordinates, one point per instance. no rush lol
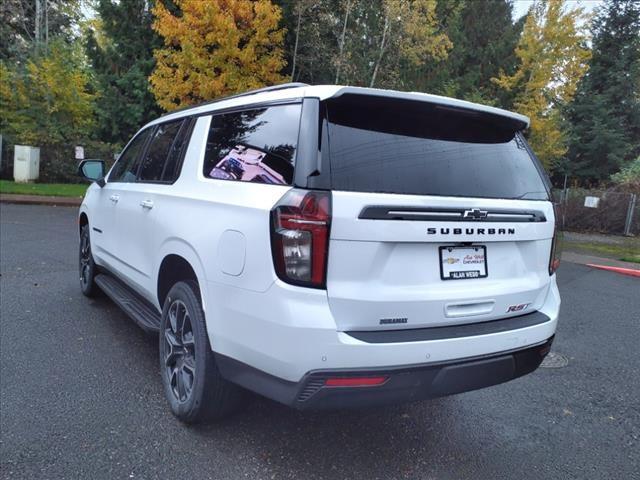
(440, 216)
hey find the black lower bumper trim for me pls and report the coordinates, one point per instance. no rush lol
(450, 331)
(404, 384)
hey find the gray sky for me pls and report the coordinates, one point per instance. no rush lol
(520, 7)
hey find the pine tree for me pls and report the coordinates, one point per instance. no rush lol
(120, 47)
(216, 48)
(605, 114)
(484, 39)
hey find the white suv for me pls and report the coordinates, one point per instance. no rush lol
(327, 247)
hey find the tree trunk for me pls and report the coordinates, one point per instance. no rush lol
(25, 27)
(46, 24)
(38, 23)
(344, 32)
(295, 48)
(382, 47)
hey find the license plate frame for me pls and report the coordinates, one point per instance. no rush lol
(446, 273)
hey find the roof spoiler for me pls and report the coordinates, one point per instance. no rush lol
(515, 121)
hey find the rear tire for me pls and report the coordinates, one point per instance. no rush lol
(87, 267)
(192, 383)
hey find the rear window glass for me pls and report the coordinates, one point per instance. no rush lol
(422, 149)
(256, 145)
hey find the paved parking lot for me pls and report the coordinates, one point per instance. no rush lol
(80, 395)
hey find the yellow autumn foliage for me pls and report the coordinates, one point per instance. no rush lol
(421, 36)
(49, 101)
(553, 56)
(215, 48)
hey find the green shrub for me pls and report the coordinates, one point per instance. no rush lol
(628, 179)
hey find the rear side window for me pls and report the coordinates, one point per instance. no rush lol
(257, 145)
(422, 149)
(159, 151)
(171, 170)
(126, 168)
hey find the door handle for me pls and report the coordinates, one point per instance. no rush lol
(114, 198)
(146, 204)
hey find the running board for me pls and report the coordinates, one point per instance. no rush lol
(145, 315)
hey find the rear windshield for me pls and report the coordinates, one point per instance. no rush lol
(421, 149)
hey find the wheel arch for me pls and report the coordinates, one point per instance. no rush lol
(83, 220)
(179, 262)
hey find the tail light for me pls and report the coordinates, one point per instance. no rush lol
(300, 224)
(355, 381)
(554, 258)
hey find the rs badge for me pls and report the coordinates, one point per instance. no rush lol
(517, 308)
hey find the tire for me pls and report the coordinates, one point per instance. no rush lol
(87, 267)
(192, 383)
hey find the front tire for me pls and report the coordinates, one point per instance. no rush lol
(86, 265)
(192, 383)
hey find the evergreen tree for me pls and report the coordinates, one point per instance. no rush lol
(120, 46)
(484, 38)
(605, 114)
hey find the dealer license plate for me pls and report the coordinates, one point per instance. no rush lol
(459, 263)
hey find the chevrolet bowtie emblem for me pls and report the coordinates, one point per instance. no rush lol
(475, 214)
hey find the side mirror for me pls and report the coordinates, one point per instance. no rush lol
(92, 170)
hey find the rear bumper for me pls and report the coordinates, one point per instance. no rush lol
(288, 332)
(403, 384)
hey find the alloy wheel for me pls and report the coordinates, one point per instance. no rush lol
(85, 260)
(179, 351)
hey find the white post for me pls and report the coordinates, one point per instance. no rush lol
(629, 220)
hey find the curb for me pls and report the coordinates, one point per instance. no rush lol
(40, 200)
(582, 259)
(624, 271)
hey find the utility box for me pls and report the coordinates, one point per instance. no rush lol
(26, 163)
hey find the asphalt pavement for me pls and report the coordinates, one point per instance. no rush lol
(80, 393)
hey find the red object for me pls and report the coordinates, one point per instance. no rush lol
(355, 381)
(307, 211)
(625, 271)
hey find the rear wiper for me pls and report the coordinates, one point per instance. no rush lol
(521, 197)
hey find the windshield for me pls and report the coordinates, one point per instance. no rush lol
(422, 149)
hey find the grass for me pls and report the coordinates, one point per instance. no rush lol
(53, 189)
(629, 251)
(635, 259)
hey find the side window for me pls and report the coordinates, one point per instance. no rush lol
(256, 145)
(126, 167)
(159, 150)
(172, 167)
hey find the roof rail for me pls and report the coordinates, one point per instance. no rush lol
(272, 88)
